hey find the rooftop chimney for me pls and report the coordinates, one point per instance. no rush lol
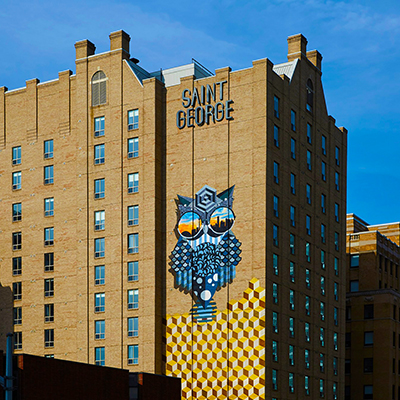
(84, 48)
(119, 40)
(297, 47)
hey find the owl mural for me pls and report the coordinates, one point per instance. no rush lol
(207, 252)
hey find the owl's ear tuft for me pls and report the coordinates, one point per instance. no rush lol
(226, 194)
(185, 201)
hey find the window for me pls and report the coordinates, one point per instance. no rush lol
(292, 183)
(337, 155)
(99, 302)
(323, 203)
(133, 182)
(336, 266)
(99, 247)
(48, 236)
(348, 339)
(309, 139)
(275, 239)
(291, 354)
(274, 379)
(48, 262)
(321, 362)
(293, 120)
(291, 299)
(17, 266)
(337, 181)
(348, 313)
(369, 365)
(336, 212)
(276, 172)
(335, 316)
(309, 160)
(276, 136)
(307, 331)
(308, 252)
(16, 180)
(133, 243)
(322, 336)
(133, 119)
(49, 207)
(49, 287)
(16, 155)
(323, 145)
(133, 327)
(99, 188)
(323, 233)
(293, 148)
(133, 271)
(336, 291)
(291, 242)
(133, 147)
(275, 293)
(368, 338)
(99, 88)
(310, 96)
(368, 392)
(48, 175)
(322, 311)
(99, 220)
(99, 275)
(133, 354)
(323, 285)
(292, 216)
(306, 359)
(291, 382)
(16, 212)
(99, 123)
(99, 355)
(347, 366)
(17, 315)
(48, 149)
(291, 272)
(274, 322)
(99, 154)
(49, 313)
(276, 107)
(335, 341)
(308, 193)
(17, 241)
(17, 340)
(49, 338)
(307, 305)
(133, 299)
(354, 260)
(276, 206)
(100, 329)
(336, 241)
(323, 259)
(308, 278)
(308, 225)
(275, 264)
(306, 385)
(323, 170)
(321, 388)
(133, 215)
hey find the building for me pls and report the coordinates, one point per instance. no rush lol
(180, 222)
(372, 363)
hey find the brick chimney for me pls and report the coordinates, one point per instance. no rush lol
(84, 48)
(119, 40)
(297, 47)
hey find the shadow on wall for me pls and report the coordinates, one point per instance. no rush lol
(6, 314)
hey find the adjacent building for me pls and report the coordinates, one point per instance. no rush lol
(180, 222)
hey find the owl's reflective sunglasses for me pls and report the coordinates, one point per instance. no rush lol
(191, 226)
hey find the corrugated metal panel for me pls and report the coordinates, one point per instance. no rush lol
(286, 68)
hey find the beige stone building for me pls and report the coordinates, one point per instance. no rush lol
(372, 364)
(180, 222)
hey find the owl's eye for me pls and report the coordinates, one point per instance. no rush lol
(190, 225)
(221, 220)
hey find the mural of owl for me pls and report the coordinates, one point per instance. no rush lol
(207, 252)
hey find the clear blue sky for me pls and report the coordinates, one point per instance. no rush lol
(359, 40)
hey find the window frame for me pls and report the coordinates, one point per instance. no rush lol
(48, 149)
(133, 147)
(17, 180)
(99, 124)
(16, 212)
(16, 155)
(133, 119)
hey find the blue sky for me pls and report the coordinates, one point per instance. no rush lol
(359, 40)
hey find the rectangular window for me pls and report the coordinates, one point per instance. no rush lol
(133, 299)
(48, 262)
(307, 305)
(336, 266)
(369, 365)
(322, 311)
(292, 183)
(133, 215)
(323, 259)
(335, 341)
(322, 362)
(309, 160)
(291, 299)
(17, 241)
(348, 313)
(368, 338)
(133, 354)
(276, 172)
(323, 203)
(276, 107)
(17, 266)
(321, 388)
(275, 293)
(323, 233)
(336, 212)
(133, 271)
(292, 216)
(99, 355)
(17, 340)
(274, 379)
(99, 126)
(49, 236)
(49, 313)
(323, 170)
(307, 331)
(49, 287)
(49, 207)
(368, 311)
(306, 359)
(133, 243)
(336, 316)
(306, 385)
(276, 136)
(133, 327)
(275, 264)
(308, 193)
(336, 291)
(48, 149)
(99, 220)
(99, 154)
(48, 175)
(274, 322)
(99, 247)
(133, 147)
(308, 225)
(16, 180)
(291, 382)
(336, 241)
(323, 145)
(17, 315)
(337, 181)
(16, 155)
(309, 133)
(274, 351)
(291, 272)
(99, 188)
(322, 336)
(99, 302)
(293, 120)
(337, 155)
(16, 212)
(323, 285)
(308, 278)
(275, 239)
(368, 392)
(292, 243)
(100, 329)
(99, 275)
(354, 260)
(293, 148)
(133, 119)
(348, 339)
(133, 182)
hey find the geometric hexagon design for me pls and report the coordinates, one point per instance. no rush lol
(224, 358)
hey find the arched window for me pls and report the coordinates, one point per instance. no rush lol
(310, 96)
(99, 88)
